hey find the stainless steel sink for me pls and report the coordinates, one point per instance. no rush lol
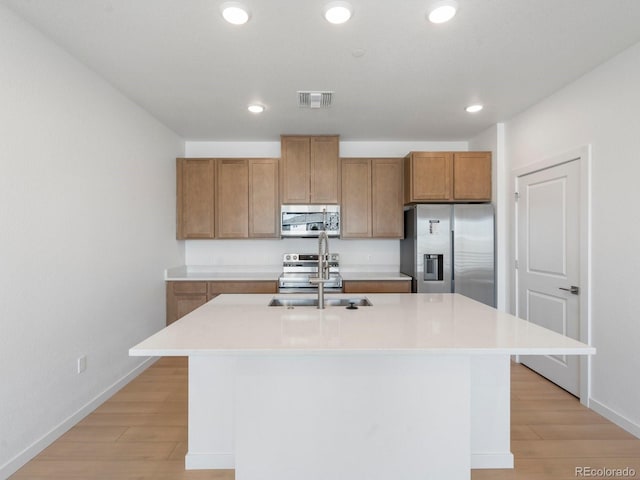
(313, 302)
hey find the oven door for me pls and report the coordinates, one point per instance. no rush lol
(299, 283)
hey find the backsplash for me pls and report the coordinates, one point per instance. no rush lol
(374, 255)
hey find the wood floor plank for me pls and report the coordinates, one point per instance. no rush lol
(154, 387)
(140, 407)
(85, 470)
(114, 451)
(131, 419)
(524, 432)
(90, 433)
(548, 405)
(538, 391)
(141, 396)
(556, 469)
(536, 417)
(565, 468)
(174, 470)
(180, 451)
(154, 434)
(576, 448)
(599, 431)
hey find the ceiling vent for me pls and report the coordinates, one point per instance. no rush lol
(315, 99)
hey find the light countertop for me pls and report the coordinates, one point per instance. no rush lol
(374, 276)
(396, 323)
(206, 273)
(252, 273)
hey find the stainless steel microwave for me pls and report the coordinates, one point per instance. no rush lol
(308, 220)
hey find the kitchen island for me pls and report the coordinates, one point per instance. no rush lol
(415, 386)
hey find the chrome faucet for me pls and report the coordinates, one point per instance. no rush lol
(323, 266)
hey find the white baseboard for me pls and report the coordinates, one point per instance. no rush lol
(492, 460)
(199, 461)
(13, 465)
(615, 417)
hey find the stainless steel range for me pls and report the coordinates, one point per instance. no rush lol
(299, 268)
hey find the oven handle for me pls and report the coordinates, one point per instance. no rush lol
(309, 290)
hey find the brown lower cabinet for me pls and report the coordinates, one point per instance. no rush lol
(184, 297)
(376, 286)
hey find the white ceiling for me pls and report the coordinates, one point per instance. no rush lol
(181, 62)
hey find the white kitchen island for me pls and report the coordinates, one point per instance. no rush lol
(414, 387)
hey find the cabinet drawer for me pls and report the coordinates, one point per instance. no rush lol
(183, 288)
(217, 288)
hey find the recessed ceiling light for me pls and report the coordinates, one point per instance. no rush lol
(235, 13)
(256, 108)
(474, 108)
(338, 12)
(443, 11)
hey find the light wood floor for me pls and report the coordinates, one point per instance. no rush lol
(141, 434)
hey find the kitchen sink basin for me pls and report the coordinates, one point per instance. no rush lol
(313, 302)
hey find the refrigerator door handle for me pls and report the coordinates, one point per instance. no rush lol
(453, 262)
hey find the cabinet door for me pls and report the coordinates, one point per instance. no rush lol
(232, 199)
(295, 169)
(386, 198)
(184, 297)
(264, 205)
(429, 176)
(356, 198)
(325, 170)
(472, 176)
(195, 197)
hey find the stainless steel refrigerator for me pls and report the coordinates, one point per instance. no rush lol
(449, 248)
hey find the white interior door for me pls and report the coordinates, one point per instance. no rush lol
(549, 263)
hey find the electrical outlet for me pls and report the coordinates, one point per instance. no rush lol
(82, 363)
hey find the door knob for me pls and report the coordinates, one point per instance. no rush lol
(575, 290)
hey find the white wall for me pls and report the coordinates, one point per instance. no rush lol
(87, 224)
(601, 109)
(233, 255)
(380, 255)
(492, 140)
(203, 149)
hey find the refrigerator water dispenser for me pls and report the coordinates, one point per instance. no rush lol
(433, 270)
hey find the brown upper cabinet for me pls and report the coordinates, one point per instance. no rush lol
(472, 176)
(232, 198)
(310, 169)
(447, 177)
(227, 198)
(196, 197)
(372, 204)
(264, 202)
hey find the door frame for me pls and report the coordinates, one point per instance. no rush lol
(583, 156)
